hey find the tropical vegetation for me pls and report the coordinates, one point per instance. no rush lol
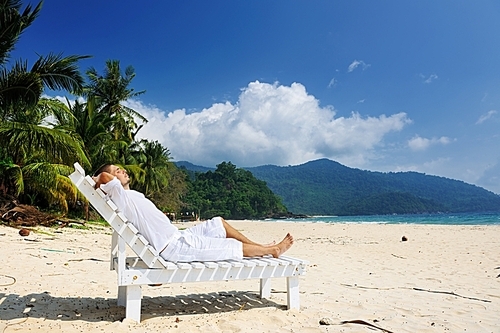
(233, 193)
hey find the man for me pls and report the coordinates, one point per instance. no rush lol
(211, 240)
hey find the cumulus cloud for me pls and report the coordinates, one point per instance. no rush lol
(269, 124)
(485, 117)
(355, 65)
(419, 143)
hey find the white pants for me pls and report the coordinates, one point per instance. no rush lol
(204, 242)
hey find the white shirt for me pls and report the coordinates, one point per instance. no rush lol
(142, 213)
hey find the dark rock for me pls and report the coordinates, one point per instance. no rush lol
(24, 232)
(326, 321)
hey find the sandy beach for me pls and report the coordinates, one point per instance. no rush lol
(442, 279)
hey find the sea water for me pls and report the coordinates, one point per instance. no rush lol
(451, 219)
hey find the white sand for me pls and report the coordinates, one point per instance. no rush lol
(357, 272)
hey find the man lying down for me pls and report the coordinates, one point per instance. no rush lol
(211, 240)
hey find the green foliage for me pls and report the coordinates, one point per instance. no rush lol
(390, 203)
(109, 90)
(232, 193)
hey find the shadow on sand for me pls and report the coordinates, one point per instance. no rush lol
(44, 305)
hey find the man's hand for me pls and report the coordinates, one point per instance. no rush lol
(96, 181)
(102, 178)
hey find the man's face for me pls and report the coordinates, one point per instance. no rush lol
(121, 174)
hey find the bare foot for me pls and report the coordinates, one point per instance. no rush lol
(284, 245)
(270, 244)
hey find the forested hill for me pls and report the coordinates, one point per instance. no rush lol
(325, 187)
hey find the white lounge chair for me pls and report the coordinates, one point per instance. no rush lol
(150, 268)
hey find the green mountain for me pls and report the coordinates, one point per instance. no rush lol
(325, 187)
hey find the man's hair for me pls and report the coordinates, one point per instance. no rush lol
(102, 168)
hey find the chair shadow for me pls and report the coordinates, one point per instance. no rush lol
(44, 305)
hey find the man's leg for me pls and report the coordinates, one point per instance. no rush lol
(231, 232)
(256, 250)
(212, 228)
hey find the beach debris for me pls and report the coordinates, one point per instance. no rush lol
(64, 251)
(24, 232)
(16, 214)
(397, 256)
(451, 293)
(8, 277)
(91, 259)
(404, 239)
(326, 321)
(362, 287)
(362, 322)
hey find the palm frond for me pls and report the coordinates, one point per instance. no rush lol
(60, 73)
(19, 89)
(11, 173)
(56, 146)
(51, 181)
(13, 23)
(59, 110)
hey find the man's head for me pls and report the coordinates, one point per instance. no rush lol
(103, 168)
(116, 171)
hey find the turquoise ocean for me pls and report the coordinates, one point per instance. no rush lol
(443, 219)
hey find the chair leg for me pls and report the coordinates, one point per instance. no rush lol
(122, 296)
(133, 307)
(265, 288)
(292, 286)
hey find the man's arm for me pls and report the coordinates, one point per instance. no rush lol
(103, 178)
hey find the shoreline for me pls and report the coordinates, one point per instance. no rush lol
(443, 278)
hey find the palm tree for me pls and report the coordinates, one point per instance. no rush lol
(154, 161)
(109, 91)
(82, 120)
(21, 89)
(37, 158)
(29, 147)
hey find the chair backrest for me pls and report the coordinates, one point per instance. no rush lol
(119, 222)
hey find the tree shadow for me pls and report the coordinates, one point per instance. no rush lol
(44, 305)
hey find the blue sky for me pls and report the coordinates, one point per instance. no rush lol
(376, 85)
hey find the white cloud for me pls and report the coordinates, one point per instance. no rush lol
(430, 78)
(485, 117)
(490, 178)
(269, 124)
(355, 64)
(332, 83)
(433, 167)
(419, 143)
